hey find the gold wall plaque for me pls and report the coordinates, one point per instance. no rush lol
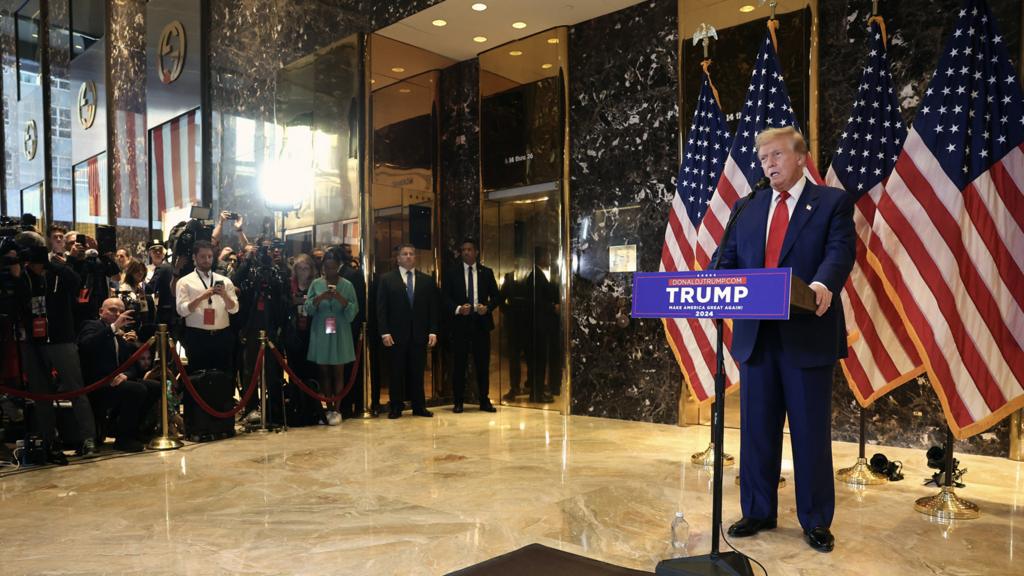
(170, 60)
(31, 141)
(87, 104)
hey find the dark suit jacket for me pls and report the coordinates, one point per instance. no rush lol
(160, 285)
(359, 283)
(455, 294)
(96, 349)
(407, 325)
(820, 247)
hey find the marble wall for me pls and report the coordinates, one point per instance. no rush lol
(460, 153)
(623, 120)
(918, 30)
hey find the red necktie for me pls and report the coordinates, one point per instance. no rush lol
(777, 232)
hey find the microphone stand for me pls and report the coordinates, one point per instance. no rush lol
(716, 563)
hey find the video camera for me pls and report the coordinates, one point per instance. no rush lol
(11, 227)
(132, 304)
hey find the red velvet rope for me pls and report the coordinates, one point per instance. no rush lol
(202, 403)
(302, 385)
(81, 391)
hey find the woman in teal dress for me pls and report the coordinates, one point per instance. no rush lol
(331, 301)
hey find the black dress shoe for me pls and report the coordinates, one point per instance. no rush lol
(749, 526)
(423, 412)
(820, 538)
(487, 407)
(56, 457)
(393, 414)
(130, 445)
(457, 408)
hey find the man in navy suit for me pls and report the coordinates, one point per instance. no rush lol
(786, 366)
(407, 320)
(470, 297)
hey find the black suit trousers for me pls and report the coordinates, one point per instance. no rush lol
(467, 339)
(406, 362)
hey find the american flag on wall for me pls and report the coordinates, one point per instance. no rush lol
(707, 145)
(767, 106)
(881, 353)
(174, 163)
(948, 231)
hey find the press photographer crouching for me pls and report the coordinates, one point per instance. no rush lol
(105, 344)
(205, 300)
(264, 280)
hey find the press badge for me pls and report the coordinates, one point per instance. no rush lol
(330, 325)
(209, 316)
(83, 295)
(39, 327)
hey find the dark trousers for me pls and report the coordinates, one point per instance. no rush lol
(274, 375)
(352, 403)
(516, 326)
(39, 362)
(772, 388)
(209, 349)
(537, 360)
(473, 340)
(405, 364)
(131, 401)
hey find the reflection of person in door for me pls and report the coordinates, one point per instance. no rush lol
(542, 296)
(515, 321)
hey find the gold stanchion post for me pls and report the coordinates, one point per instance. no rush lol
(1017, 435)
(367, 386)
(263, 383)
(164, 441)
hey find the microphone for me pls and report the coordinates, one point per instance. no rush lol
(761, 184)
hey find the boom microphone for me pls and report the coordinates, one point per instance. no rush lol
(762, 183)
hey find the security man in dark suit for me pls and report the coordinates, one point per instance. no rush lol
(786, 366)
(407, 319)
(470, 296)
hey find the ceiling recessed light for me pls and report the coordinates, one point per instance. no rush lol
(746, 8)
(515, 53)
(439, 22)
(519, 25)
(552, 40)
(404, 90)
(398, 69)
(546, 66)
(373, 80)
(479, 39)
(479, 6)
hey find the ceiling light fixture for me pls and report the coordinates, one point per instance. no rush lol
(746, 8)
(479, 39)
(439, 22)
(404, 90)
(546, 66)
(479, 6)
(398, 69)
(515, 53)
(519, 25)
(552, 40)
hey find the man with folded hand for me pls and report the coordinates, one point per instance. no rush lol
(105, 345)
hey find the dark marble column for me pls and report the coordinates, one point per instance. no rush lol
(624, 157)
(8, 96)
(460, 155)
(918, 30)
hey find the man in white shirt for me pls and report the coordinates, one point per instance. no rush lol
(205, 300)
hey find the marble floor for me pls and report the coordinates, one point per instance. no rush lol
(419, 496)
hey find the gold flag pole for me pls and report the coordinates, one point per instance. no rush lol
(703, 35)
(164, 441)
(946, 505)
(773, 22)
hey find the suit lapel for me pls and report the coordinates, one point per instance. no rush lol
(802, 212)
(759, 212)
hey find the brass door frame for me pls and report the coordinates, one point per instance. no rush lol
(565, 254)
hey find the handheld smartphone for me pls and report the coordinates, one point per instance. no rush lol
(218, 283)
(331, 287)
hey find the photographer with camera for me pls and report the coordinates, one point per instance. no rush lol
(264, 282)
(132, 293)
(239, 225)
(158, 284)
(106, 343)
(205, 300)
(49, 292)
(99, 274)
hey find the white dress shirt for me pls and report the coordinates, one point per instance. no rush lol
(476, 284)
(191, 286)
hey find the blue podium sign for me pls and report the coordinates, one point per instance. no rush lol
(755, 294)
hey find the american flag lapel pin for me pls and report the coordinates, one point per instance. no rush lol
(808, 207)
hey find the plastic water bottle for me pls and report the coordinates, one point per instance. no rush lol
(680, 535)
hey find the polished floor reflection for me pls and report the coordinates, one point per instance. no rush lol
(419, 496)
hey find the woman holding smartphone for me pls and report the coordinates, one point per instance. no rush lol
(331, 302)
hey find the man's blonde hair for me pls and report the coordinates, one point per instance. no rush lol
(799, 144)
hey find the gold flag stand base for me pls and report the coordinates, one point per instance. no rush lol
(946, 505)
(707, 458)
(860, 474)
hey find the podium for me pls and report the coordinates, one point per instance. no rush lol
(719, 295)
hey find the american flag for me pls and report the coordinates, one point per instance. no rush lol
(881, 353)
(767, 106)
(948, 231)
(174, 163)
(707, 145)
